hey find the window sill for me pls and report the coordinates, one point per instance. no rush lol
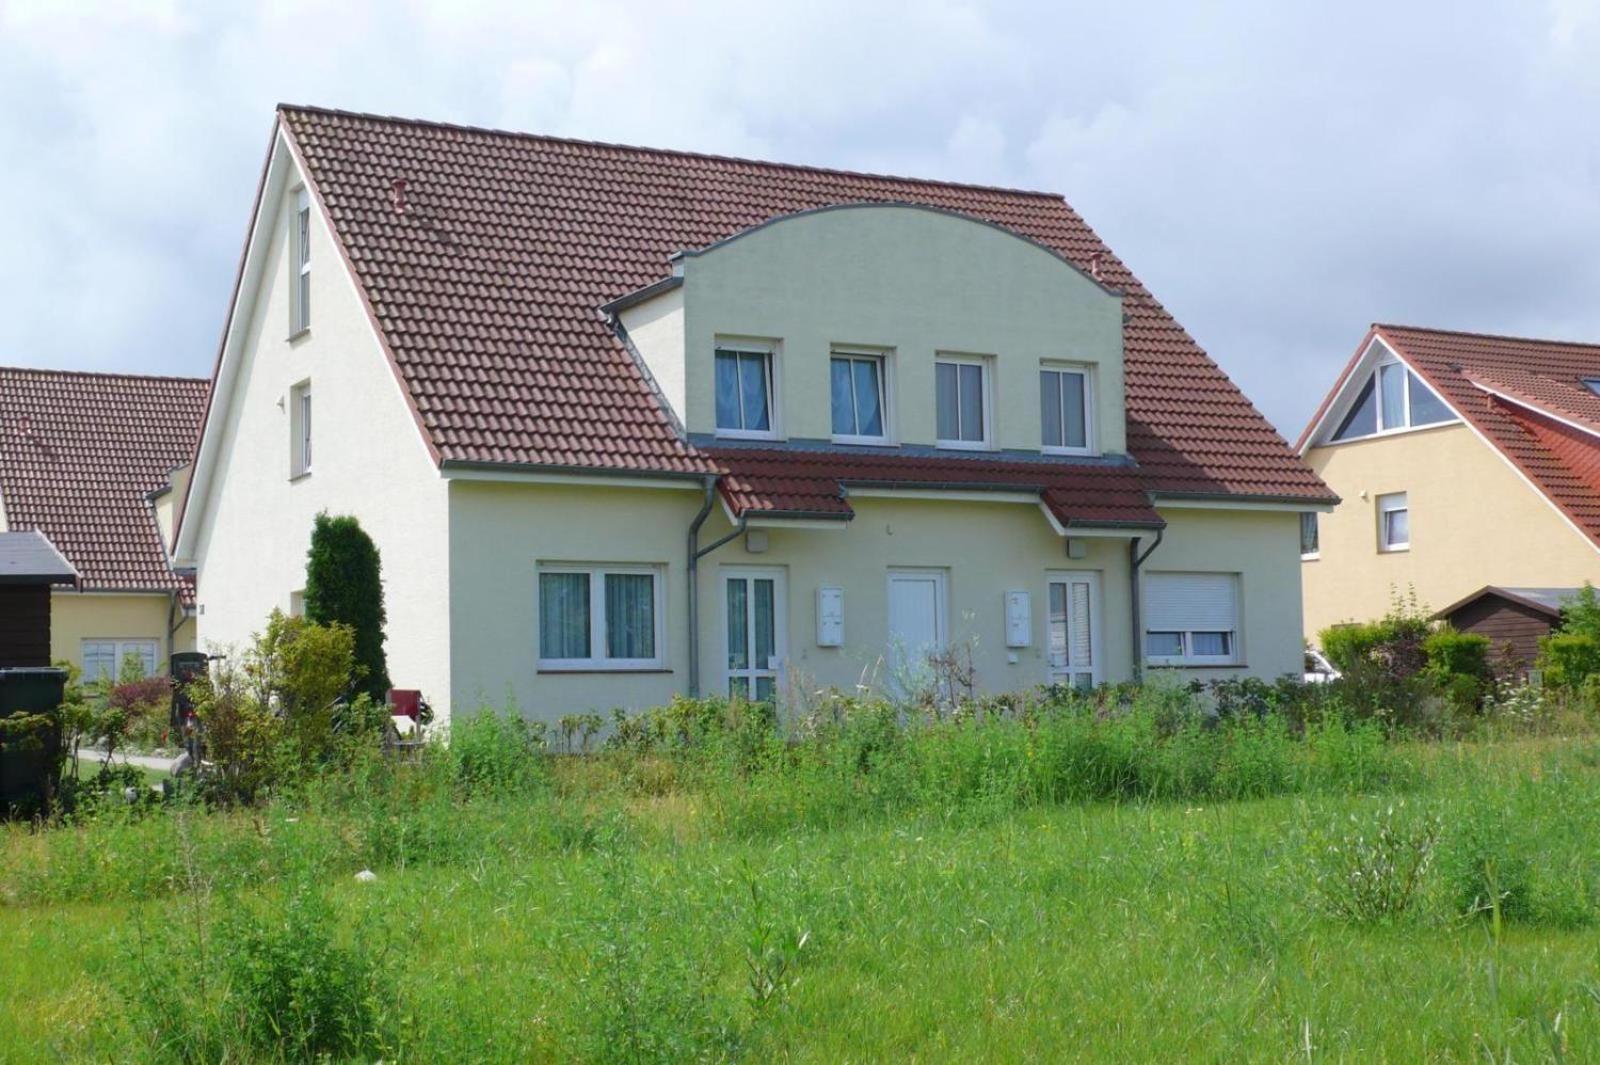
(580, 670)
(963, 445)
(295, 477)
(1312, 557)
(1394, 550)
(299, 335)
(863, 441)
(1075, 452)
(745, 434)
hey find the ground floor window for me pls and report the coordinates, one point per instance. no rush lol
(600, 617)
(111, 658)
(1191, 618)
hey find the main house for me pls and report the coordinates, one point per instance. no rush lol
(1466, 463)
(97, 462)
(627, 423)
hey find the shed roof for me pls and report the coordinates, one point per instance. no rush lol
(30, 558)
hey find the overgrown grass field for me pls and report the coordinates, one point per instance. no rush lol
(1059, 884)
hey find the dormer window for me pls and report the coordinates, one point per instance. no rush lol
(745, 388)
(1065, 408)
(860, 413)
(1392, 399)
(961, 387)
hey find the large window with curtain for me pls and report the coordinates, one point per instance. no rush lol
(600, 617)
(1191, 619)
(859, 397)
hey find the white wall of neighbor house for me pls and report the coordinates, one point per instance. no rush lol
(501, 533)
(909, 282)
(368, 460)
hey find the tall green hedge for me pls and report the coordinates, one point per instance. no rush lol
(344, 585)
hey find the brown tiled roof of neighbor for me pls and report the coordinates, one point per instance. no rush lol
(1541, 390)
(816, 483)
(79, 454)
(487, 286)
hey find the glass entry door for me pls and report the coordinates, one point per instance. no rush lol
(1075, 655)
(753, 630)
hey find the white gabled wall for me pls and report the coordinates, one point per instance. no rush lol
(369, 460)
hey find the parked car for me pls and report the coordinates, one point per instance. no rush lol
(1318, 669)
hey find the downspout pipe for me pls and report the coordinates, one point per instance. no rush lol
(1135, 560)
(696, 553)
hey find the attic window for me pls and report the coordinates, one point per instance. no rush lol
(1392, 399)
(1592, 384)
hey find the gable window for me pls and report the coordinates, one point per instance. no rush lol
(1392, 398)
(1394, 522)
(858, 386)
(600, 617)
(962, 397)
(300, 264)
(1191, 618)
(300, 429)
(1309, 546)
(104, 659)
(744, 386)
(1065, 408)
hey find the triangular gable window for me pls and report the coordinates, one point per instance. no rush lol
(1392, 398)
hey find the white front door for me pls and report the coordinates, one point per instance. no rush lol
(916, 624)
(1074, 624)
(753, 635)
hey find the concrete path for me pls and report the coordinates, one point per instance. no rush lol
(89, 756)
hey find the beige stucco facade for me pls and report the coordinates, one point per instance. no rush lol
(501, 533)
(1474, 521)
(79, 616)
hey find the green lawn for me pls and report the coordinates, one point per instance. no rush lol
(1165, 931)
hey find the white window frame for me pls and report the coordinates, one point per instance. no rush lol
(750, 346)
(302, 424)
(986, 369)
(1389, 503)
(300, 264)
(1064, 672)
(1315, 518)
(597, 660)
(1186, 655)
(121, 647)
(885, 394)
(1086, 370)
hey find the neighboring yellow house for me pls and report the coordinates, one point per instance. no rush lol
(628, 423)
(1462, 461)
(97, 462)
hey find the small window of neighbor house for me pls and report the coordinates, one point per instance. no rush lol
(1394, 522)
(300, 430)
(300, 264)
(1309, 545)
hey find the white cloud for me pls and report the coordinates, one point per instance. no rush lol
(1278, 174)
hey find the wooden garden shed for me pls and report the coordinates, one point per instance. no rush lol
(1514, 619)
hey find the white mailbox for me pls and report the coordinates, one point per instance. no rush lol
(1019, 619)
(830, 617)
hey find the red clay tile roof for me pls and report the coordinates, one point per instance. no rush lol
(1544, 380)
(816, 483)
(486, 290)
(79, 452)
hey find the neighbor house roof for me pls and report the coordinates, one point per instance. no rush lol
(30, 558)
(79, 455)
(1526, 397)
(486, 289)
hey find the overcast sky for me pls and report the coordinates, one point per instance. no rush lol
(1279, 178)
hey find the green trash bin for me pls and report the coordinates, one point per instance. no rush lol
(27, 760)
